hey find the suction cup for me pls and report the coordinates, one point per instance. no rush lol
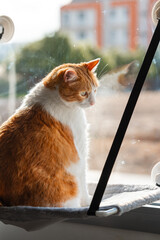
(156, 12)
(155, 174)
(6, 29)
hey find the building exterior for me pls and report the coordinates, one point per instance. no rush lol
(122, 24)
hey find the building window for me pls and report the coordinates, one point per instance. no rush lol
(125, 11)
(112, 13)
(82, 35)
(81, 15)
(66, 19)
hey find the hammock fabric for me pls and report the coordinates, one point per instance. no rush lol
(122, 197)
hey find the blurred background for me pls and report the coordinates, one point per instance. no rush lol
(49, 33)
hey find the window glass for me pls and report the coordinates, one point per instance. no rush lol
(50, 33)
(65, 19)
(81, 35)
(81, 15)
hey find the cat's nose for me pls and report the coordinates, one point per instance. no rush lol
(92, 99)
(92, 103)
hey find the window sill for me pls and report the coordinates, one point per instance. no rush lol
(144, 219)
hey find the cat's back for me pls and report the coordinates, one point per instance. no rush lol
(32, 136)
(19, 127)
(34, 146)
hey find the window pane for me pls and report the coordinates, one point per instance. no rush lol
(47, 35)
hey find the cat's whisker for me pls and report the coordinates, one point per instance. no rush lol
(105, 72)
(101, 72)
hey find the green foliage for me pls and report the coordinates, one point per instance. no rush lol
(37, 59)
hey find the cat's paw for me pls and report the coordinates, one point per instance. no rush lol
(85, 202)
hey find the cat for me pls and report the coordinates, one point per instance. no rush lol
(44, 145)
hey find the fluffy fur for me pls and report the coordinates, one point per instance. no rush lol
(43, 146)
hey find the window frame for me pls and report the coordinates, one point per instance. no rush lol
(143, 219)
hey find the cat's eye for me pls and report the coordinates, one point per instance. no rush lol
(84, 94)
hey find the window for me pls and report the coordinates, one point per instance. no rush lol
(81, 35)
(31, 55)
(112, 13)
(41, 43)
(119, 15)
(81, 16)
(142, 137)
(66, 19)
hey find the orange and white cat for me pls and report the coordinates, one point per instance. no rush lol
(44, 146)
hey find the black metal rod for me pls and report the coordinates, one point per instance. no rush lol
(97, 197)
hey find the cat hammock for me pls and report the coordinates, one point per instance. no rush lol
(117, 199)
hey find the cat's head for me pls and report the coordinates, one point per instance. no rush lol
(77, 83)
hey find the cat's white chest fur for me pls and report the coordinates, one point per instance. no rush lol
(78, 127)
(76, 120)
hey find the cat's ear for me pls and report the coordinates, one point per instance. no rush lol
(92, 65)
(70, 75)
